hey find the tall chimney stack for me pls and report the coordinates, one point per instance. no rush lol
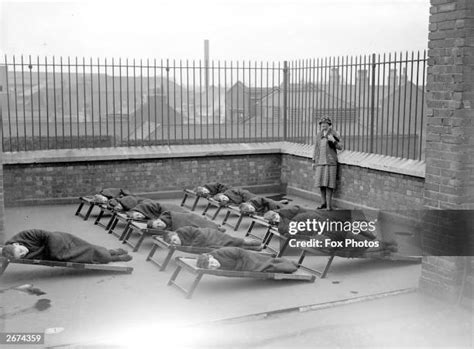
(206, 64)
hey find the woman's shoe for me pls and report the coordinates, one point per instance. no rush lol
(320, 207)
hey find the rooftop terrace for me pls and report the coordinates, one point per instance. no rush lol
(93, 305)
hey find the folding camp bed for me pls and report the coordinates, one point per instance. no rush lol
(122, 218)
(187, 193)
(349, 254)
(140, 229)
(189, 264)
(105, 267)
(271, 232)
(158, 242)
(240, 216)
(213, 203)
(105, 211)
(90, 202)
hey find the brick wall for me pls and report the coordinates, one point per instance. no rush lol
(359, 186)
(2, 110)
(46, 183)
(2, 213)
(450, 98)
(450, 142)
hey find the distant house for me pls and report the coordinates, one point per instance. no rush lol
(243, 102)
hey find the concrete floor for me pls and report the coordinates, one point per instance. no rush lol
(95, 307)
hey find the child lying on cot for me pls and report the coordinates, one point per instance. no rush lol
(234, 196)
(256, 203)
(171, 220)
(107, 194)
(238, 259)
(337, 232)
(207, 237)
(151, 209)
(211, 189)
(125, 203)
(260, 205)
(58, 246)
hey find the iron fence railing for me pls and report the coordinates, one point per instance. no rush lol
(376, 102)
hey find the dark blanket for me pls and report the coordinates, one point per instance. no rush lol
(111, 193)
(238, 259)
(206, 237)
(216, 187)
(127, 202)
(263, 205)
(175, 220)
(237, 196)
(290, 211)
(152, 209)
(58, 246)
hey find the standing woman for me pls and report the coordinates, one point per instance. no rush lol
(326, 144)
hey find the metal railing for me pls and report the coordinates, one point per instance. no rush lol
(77, 103)
(376, 102)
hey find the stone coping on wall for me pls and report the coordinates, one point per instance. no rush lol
(366, 160)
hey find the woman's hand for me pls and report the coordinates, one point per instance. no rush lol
(331, 138)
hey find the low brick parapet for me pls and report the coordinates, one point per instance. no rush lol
(366, 160)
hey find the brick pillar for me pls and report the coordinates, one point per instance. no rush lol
(449, 180)
(3, 97)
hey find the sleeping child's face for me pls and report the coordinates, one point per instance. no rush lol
(202, 191)
(158, 224)
(221, 198)
(247, 208)
(101, 199)
(118, 207)
(15, 251)
(213, 263)
(136, 215)
(272, 217)
(173, 238)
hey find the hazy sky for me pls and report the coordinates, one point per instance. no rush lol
(237, 29)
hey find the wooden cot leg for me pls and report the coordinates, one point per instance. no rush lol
(328, 265)
(194, 285)
(238, 222)
(283, 248)
(152, 252)
(300, 260)
(99, 217)
(184, 199)
(206, 209)
(195, 203)
(139, 242)
(226, 217)
(217, 212)
(4, 265)
(81, 205)
(126, 234)
(86, 217)
(174, 275)
(250, 229)
(167, 259)
(267, 238)
(111, 221)
(114, 223)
